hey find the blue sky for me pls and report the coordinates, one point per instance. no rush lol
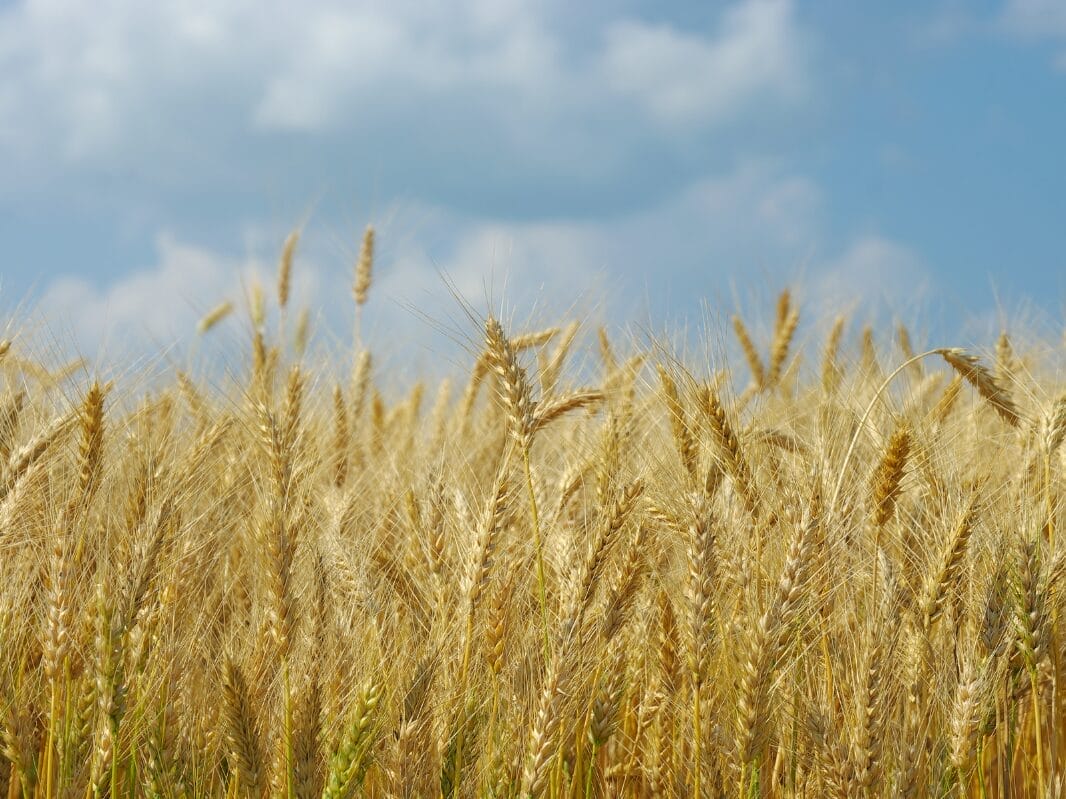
(623, 160)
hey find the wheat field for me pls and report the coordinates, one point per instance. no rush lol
(824, 571)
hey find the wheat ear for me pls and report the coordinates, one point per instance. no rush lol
(728, 447)
(364, 267)
(242, 741)
(214, 316)
(680, 425)
(288, 251)
(348, 764)
(751, 355)
(971, 369)
(830, 367)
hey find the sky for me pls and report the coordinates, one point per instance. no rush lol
(653, 163)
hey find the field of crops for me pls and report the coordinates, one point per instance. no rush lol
(824, 571)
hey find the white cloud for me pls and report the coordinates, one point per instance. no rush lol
(334, 54)
(549, 269)
(343, 61)
(681, 78)
(156, 307)
(114, 81)
(79, 78)
(754, 224)
(696, 236)
(1038, 19)
(787, 208)
(948, 23)
(667, 260)
(873, 271)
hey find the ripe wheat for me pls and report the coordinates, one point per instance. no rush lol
(755, 582)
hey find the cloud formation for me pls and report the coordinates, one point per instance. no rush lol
(147, 90)
(153, 307)
(874, 270)
(1038, 20)
(682, 79)
(566, 159)
(668, 263)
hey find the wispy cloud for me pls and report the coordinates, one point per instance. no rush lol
(1038, 20)
(682, 79)
(874, 270)
(123, 85)
(948, 22)
(517, 149)
(1043, 17)
(667, 261)
(153, 308)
